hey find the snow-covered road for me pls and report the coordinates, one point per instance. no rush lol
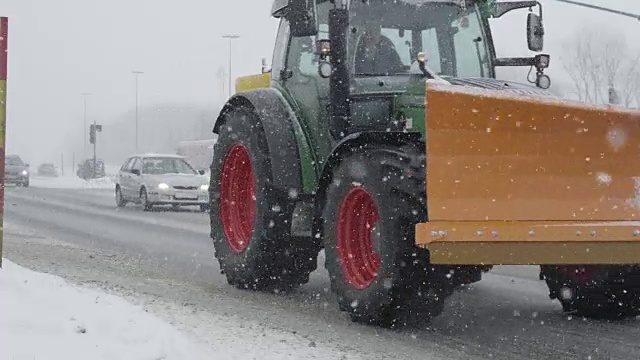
(165, 258)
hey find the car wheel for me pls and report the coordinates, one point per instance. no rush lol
(144, 200)
(120, 201)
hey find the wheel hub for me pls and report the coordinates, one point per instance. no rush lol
(357, 228)
(237, 198)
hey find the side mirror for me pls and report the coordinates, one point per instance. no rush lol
(135, 172)
(535, 32)
(303, 18)
(201, 172)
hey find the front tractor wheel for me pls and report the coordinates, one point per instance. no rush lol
(372, 203)
(250, 219)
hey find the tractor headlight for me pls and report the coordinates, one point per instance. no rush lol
(163, 186)
(25, 172)
(204, 187)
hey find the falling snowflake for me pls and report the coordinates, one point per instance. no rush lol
(617, 138)
(604, 178)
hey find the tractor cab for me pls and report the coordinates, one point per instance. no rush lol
(366, 61)
(452, 36)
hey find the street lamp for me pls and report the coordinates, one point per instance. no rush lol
(231, 38)
(84, 122)
(136, 73)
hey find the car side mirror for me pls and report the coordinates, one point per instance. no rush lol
(303, 18)
(535, 32)
(135, 172)
(201, 172)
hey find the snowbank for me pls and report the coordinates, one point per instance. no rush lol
(68, 182)
(43, 317)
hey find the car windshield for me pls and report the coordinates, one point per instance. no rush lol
(159, 166)
(13, 161)
(391, 34)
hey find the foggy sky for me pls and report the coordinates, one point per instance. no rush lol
(60, 48)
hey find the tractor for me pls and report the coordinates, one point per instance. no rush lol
(381, 135)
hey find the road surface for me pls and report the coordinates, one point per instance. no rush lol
(168, 256)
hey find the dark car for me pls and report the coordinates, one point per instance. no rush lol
(16, 171)
(48, 170)
(85, 169)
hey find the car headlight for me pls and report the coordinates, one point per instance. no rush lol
(163, 186)
(25, 172)
(204, 187)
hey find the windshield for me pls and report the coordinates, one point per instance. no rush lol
(13, 161)
(159, 166)
(389, 36)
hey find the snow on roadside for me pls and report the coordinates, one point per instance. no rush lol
(43, 317)
(244, 339)
(68, 182)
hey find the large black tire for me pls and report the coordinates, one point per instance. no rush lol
(614, 295)
(390, 183)
(250, 218)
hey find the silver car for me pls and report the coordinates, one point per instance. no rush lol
(161, 179)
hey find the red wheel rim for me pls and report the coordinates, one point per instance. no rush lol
(237, 198)
(579, 274)
(357, 218)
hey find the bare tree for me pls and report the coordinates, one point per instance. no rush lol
(597, 60)
(630, 83)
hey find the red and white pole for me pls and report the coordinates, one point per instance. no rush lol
(4, 39)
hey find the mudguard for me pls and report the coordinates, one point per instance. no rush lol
(276, 118)
(353, 141)
(357, 139)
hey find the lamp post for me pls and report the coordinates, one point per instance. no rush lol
(84, 121)
(136, 74)
(231, 37)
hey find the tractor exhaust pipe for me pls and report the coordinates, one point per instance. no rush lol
(339, 95)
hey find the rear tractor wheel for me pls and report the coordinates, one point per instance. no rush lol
(250, 219)
(372, 203)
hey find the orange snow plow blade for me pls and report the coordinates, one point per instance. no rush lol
(513, 179)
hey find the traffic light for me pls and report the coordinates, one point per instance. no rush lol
(92, 132)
